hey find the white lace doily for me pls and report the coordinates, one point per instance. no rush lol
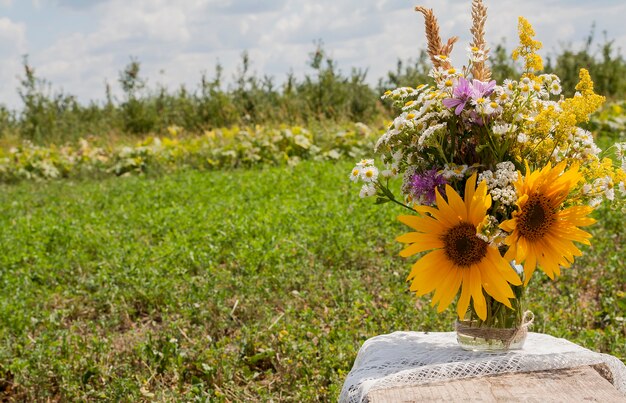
(413, 358)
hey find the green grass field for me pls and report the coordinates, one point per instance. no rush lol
(252, 284)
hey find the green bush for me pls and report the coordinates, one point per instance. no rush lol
(219, 148)
(325, 94)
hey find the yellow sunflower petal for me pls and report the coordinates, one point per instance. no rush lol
(576, 215)
(414, 248)
(572, 234)
(503, 267)
(530, 264)
(425, 281)
(445, 283)
(427, 272)
(547, 265)
(422, 224)
(479, 204)
(436, 214)
(510, 254)
(496, 287)
(412, 237)
(480, 305)
(445, 209)
(521, 251)
(466, 293)
(542, 231)
(428, 281)
(451, 291)
(508, 225)
(456, 203)
(470, 187)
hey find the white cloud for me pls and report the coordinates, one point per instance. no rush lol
(12, 36)
(78, 4)
(149, 20)
(12, 46)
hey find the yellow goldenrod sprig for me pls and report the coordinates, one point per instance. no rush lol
(528, 47)
(586, 103)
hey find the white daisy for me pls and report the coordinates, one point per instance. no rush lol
(502, 129)
(355, 174)
(392, 172)
(365, 162)
(522, 138)
(524, 89)
(369, 174)
(397, 156)
(610, 194)
(476, 54)
(555, 88)
(367, 190)
(481, 104)
(429, 132)
(494, 108)
(620, 148)
(509, 86)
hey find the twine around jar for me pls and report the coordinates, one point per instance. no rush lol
(506, 336)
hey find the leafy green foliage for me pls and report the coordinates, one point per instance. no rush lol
(256, 284)
(222, 148)
(325, 93)
(502, 66)
(606, 66)
(407, 74)
(609, 124)
(225, 148)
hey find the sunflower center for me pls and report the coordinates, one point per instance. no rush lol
(462, 246)
(536, 217)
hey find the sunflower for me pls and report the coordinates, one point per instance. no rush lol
(542, 232)
(459, 258)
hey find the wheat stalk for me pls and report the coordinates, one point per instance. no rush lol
(447, 49)
(435, 47)
(480, 70)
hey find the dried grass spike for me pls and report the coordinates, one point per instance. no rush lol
(480, 70)
(432, 34)
(447, 49)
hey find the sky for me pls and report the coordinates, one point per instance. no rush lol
(79, 45)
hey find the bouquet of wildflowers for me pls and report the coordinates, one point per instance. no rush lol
(499, 177)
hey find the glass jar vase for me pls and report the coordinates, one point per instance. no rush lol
(503, 328)
(471, 335)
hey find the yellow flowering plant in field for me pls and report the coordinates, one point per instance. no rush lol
(500, 178)
(219, 148)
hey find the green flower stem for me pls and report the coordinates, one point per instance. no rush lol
(387, 195)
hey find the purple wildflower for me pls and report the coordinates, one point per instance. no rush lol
(422, 186)
(476, 118)
(461, 93)
(464, 91)
(482, 89)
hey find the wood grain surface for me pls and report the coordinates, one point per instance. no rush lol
(582, 384)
